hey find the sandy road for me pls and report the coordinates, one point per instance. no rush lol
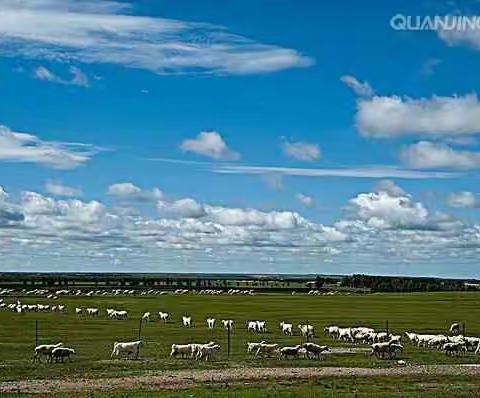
(188, 378)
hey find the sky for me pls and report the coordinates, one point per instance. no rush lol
(240, 136)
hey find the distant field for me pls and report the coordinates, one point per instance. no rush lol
(93, 338)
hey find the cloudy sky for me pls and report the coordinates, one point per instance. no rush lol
(241, 136)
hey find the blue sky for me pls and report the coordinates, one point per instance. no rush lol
(238, 137)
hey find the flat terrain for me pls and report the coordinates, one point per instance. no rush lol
(93, 338)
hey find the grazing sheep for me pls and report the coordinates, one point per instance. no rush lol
(252, 326)
(286, 328)
(390, 349)
(127, 348)
(454, 328)
(315, 350)
(182, 349)
(253, 347)
(78, 311)
(291, 352)
(454, 348)
(146, 316)
(210, 323)
(266, 349)
(187, 321)
(61, 353)
(45, 349)
(262, 326)
(163, 316)
(208, 351)
(307, 330)
(227, 323)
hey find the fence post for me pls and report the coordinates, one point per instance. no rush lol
(228, 340)
(386, 326)
(308, 333)
(139, 335)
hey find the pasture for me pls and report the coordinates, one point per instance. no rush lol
(93, 337)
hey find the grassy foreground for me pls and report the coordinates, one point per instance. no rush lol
(93, 338)
(335, 387)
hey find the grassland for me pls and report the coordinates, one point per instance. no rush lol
(93, 338)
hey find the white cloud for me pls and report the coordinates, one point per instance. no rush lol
(78, 77)
(129, 191)
(305, 199)
(385, 117)
(301, 151)
(431, 155)
(88, 32)
(27, 148)
(462, 199)
(187, 207)
(461, 37)
(210, 144)
(362, 89)
(390, 188)
(380, 210)
(61, 190)
(365, 172)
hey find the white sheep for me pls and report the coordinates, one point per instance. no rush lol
(163, 316)
(146, 316)
(126, 348)
(187, 321)
(45, 349)
(227, 323)
(210, 323)
(286, 328)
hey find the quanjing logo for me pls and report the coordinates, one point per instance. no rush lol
(436, 22)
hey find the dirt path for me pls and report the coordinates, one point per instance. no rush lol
(188, 378)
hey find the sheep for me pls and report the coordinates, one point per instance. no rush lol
(45, 349)
(163, 316)
(208, 351)
(332, 331)
(78, 311)
(61, 353)
(286, 328)
(315, 350)
(266, 349)
(251, 326)
(210, 323)
(187, 321)
(306, 330)
(391, 349)
(120, 315)
(146, 316)
(262, 326)
(253, 347)
(287, 352)
(127, 348)
(183, 349)
(454, 348)
(227, 323)
(92, 312)
(454, 328)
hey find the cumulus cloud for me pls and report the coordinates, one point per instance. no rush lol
(210, 144)
(128, 191)
(361, 89)
(301, 151)
(187, 208)
(27, 148)
(432, 155)
(390, 188)
(305, 199)
(381, 210)
(61, 190)
(89, 31)
(461, 199)
(384, 117)
(461, 37)
(385, 224)
(78, 77)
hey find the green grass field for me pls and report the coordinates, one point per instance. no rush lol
(93, 338)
